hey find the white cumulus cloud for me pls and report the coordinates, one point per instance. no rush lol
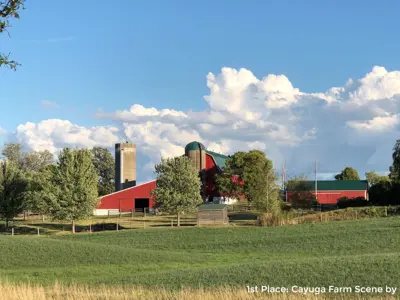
(55, 134)
(351, 124)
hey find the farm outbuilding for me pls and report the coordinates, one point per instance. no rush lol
(210, 214)
(330, 191)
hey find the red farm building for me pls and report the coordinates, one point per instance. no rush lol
(330, 191)
(138, 197)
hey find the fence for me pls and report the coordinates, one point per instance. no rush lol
(114, 221)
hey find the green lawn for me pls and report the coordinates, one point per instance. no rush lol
(343, 253)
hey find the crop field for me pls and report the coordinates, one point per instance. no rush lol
(344, 253)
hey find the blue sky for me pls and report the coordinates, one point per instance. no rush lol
(86, 55)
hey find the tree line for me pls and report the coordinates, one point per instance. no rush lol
(65, 189)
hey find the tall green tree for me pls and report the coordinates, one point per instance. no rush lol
(348, 173)
(27, 161)
(42, 190)
(394, 174)
(256, 179)
(9, 9)
(13, 152)
(68, 191)
(178, 186)
(104, 164)
(13, 188)
(34, 161)
(373, 178)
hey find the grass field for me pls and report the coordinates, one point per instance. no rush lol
(343, 253)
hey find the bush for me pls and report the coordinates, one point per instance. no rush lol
(345, 202)
(303, 199)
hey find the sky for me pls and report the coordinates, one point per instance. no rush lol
(300, 80)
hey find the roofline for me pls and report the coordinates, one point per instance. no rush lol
(215, 162)
(132, 187)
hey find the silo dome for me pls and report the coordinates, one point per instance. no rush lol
(197, 155)
(194, 146)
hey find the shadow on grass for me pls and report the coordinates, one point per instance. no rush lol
(243, 216)
(19, 230)
(169, 225)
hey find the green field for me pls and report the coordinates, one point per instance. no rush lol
(343, 253)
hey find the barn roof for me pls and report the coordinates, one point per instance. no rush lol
(219, 159)
(335, 185)
(211, 207)
(130, 188)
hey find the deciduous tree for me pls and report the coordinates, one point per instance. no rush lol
(13, 152)
(13, 188)
(27, 161)
(105, 167)
(178, 186)
(256, 179)
(395, 167)
(348, 173)
(374, 178)
(68, 191)
(9, 9)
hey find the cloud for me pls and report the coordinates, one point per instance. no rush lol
(2, 130)
(355, 124)
(55, 134)
(49, 104)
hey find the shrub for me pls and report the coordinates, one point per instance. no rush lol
(275, 219)
(345, 202)
(303, 199)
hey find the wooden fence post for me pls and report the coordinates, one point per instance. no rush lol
(117, 226)
(12, 231)
(38, 231)
(90, 228)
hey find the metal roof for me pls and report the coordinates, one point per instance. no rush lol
(219, 159)
(194, 146)
(335, 185)
(211, 207)
(130, 188)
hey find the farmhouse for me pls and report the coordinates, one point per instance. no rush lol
(330, 191)
(129, 196)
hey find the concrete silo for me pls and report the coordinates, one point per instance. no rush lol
(197, 155)
(125, 166)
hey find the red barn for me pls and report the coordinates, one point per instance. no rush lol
(330, 191)
(138, 197)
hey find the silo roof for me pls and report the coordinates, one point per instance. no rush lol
(194, 146)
